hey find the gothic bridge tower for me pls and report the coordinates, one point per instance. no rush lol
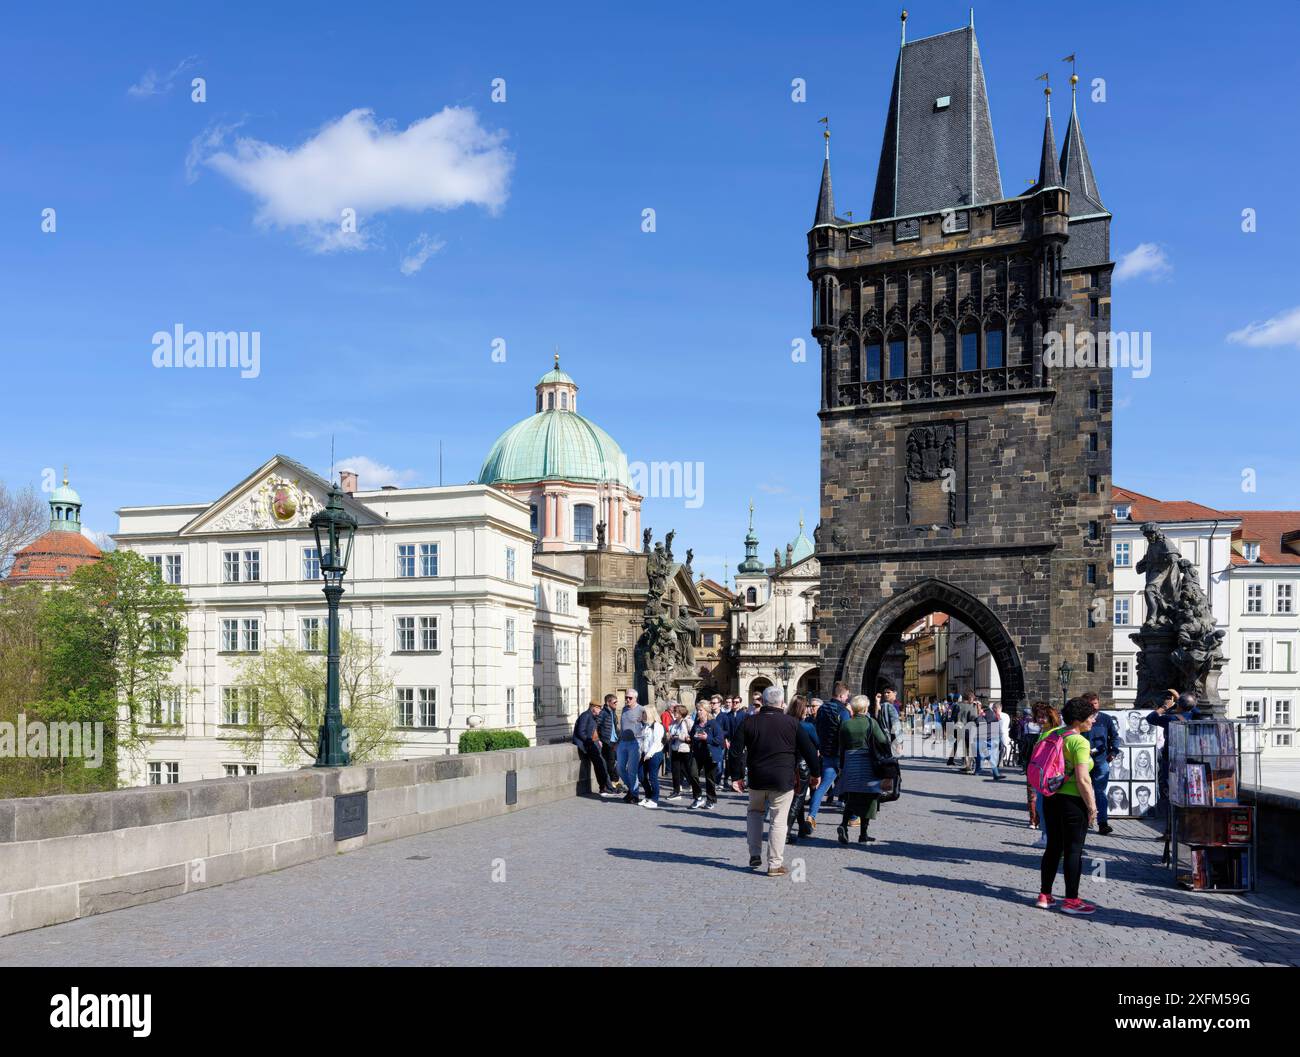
(962, 469)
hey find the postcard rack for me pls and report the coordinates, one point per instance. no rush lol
(1213, 835)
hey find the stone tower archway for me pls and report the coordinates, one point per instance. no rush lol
(859, 666)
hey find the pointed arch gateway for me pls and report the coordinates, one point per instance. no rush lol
(860, 664)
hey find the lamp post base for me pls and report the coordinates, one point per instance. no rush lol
(329, 744)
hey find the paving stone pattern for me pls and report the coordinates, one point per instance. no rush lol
(587, 881)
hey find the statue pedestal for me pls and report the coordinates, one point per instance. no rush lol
(1157, 672)
(688, 688)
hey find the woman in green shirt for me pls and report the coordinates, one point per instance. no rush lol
(1070, 810)
(854, 779)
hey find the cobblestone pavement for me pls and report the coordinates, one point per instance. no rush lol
(588, 881)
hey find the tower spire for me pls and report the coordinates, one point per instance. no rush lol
(825, 198)
(1049, 173)
(1076, 169)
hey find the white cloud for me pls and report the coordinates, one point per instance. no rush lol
(1282, 329)
(443, 161)
(371, 474)
(204, 144)
(418, 253)
(1145, 259)
(154, 83)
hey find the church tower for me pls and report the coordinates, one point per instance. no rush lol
(965, 452)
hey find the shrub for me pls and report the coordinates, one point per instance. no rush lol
(489, 740)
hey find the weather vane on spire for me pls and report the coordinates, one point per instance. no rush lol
(825, 122)
(1074, 76)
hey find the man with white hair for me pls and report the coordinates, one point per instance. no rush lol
(772, 740)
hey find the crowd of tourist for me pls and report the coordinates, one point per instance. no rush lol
(792, 761)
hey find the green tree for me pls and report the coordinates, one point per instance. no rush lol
(290, 693)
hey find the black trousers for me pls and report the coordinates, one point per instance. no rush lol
(610, 749)
(684, 767)
(704, 765)
(597, 762)
(1067, 828)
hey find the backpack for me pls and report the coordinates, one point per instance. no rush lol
(1046, 770)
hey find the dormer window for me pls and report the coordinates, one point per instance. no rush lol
(1250, 551)
(1123, 512)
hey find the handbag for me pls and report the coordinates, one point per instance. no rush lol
(888, 770)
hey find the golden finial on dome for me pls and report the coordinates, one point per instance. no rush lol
(65, 473)
(557, 357)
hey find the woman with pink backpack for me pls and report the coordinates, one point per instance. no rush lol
(1059, 770)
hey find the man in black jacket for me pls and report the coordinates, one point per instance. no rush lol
(586, 736)
(772, 741)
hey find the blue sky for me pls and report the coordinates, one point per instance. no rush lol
(680, 339)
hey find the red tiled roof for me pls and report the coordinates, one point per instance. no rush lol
(1145, 508)
(1267, 527)
(53, 556)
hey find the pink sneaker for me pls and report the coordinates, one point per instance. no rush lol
(1045, 902)
(1077, 907)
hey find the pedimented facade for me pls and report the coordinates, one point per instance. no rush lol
(441, 578)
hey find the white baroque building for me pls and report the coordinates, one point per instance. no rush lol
(442, 578)
(1248, 562)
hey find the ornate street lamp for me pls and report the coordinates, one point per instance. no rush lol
(334, 528)
(785, 669)
(1064, 672)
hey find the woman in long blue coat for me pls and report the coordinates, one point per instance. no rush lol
(858, 782)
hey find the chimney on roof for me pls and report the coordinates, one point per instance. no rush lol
(389, 488)
(348, 481)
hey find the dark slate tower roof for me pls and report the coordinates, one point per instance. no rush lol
(825, 200)
(1049, 173)
(938, 149)
(1076, 169)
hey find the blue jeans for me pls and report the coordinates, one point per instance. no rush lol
(629, 763)
(652, 765)
(991, 751)
(1100, 779)
(1042, 819)
(819, 794)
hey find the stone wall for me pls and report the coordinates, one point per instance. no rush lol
(66, 857)
(1277, 830)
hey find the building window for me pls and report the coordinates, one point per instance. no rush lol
(1094, 399)
(510, 563)
(532, 519)
(751, 595)
(1092, 573)
(1094, 483)
(1255, 655)
(165, 707)
(561, 651)
(405, 627)
(1123, 555)
(405, 560)
(897, 358)
(562, 601)
(510, 707)
(1250, 551)
(709, 639)
(240, 706)
(1122, 672)
(1254, 598)
(583, 523)
(310, 563)
(1282, 713)
(1122, 512)
(1121, 611)
(1252, 708)
(309, 637)
(1282, 656)
(250, 635)
(1284, 598)
(230, 567)
(405, 706)
(537, 650)
(873, 361)
(1282, 740)
(164, 773)
(229, 636)
(1093, 442)
(537, 702)
(311, 706)
(428, 559)
(1094, 307)
(429, 634)
(1094, 531)
(233, 770)
(970, 350)
(427, 706)
(537, 595)
(168, 566)
(1091, 662)
(994, 344)
(510, 634)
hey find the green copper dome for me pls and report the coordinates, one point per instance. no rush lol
(554, 445)
(555, 375)
(801, 546)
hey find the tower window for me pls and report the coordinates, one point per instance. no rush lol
(873, 361)
(970, 351)
(1094, 399)
(564, 401)
(994, 342)
(583, 527)
(897, 358)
